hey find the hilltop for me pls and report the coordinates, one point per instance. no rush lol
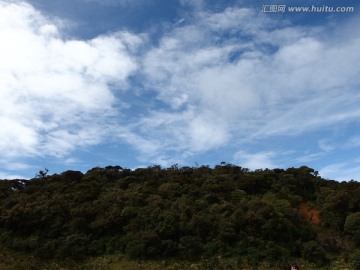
(194, 214)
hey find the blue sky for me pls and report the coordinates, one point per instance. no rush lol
(135, 83)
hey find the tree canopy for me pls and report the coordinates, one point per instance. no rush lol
(182, 212)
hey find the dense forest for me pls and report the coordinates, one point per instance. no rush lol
(226, 213)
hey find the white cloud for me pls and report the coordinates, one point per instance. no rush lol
(232, 76)
(7, 176)
(310, 157)
(14, 166)
(326, 145)
(332, 170)
(245, 76)
(205, 133)
(253, 161)
(342, 171)
(55, 93)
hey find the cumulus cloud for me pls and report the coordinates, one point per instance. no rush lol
(55, 93)
(218, 77)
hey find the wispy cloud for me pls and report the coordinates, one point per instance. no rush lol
(260, 160)
(310, 157)
(326, 145)
(240, 75)
(353, 142)
(13, 166)
(7, 176)
(342, 171)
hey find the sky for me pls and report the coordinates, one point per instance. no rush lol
(137, 83)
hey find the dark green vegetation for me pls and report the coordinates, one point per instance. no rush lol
(185, 214)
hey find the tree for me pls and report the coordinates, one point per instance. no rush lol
(42, 173)
(352, 226)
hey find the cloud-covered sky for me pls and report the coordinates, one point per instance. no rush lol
(89, 83)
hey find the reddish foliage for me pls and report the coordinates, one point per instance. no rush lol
(311, 215)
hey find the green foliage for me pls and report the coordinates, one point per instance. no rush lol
(352, 226)
(355, 260)
(190, 247)
(313, 252)
(144, 244)
(183, 213)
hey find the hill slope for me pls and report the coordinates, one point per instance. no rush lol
(183, 213)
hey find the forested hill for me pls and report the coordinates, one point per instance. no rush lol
(184, 213)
